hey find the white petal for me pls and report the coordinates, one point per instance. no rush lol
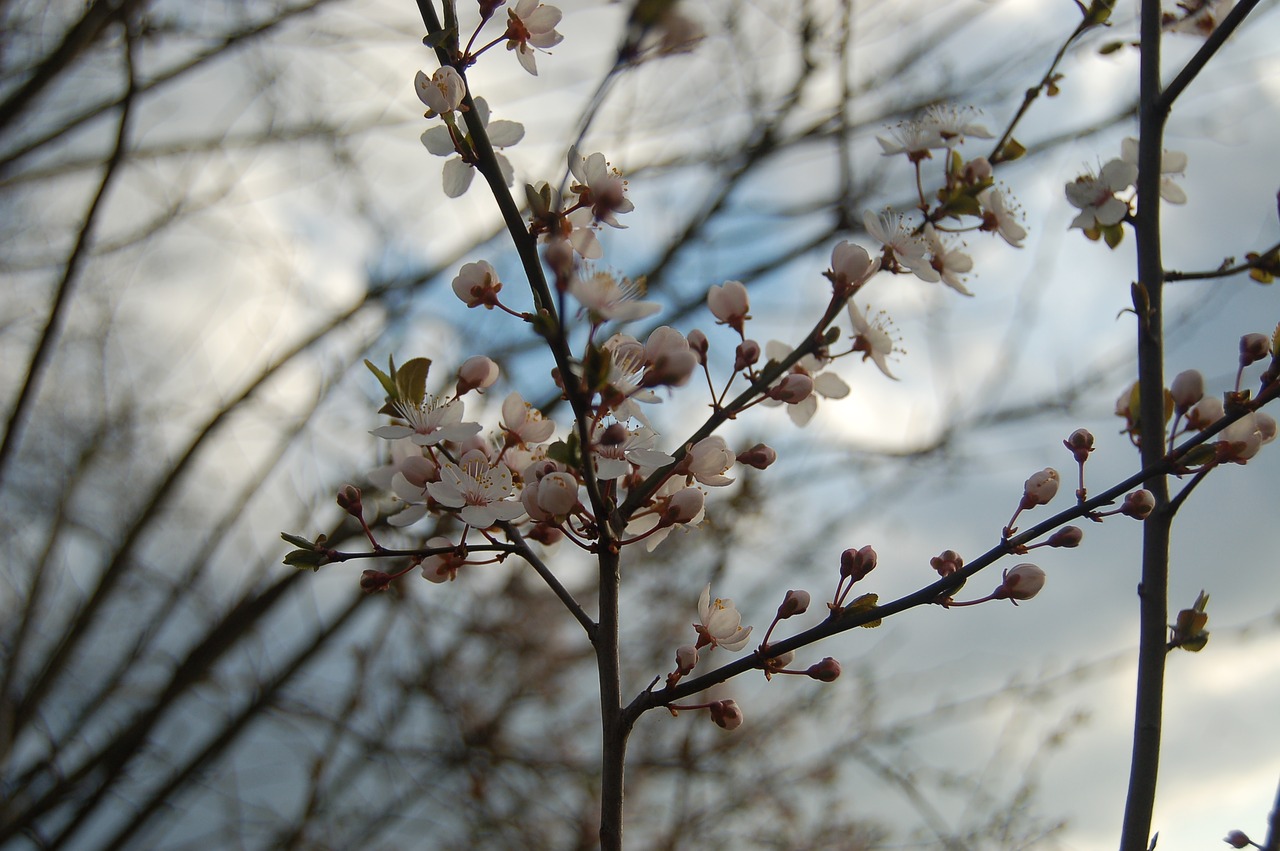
(457, 177)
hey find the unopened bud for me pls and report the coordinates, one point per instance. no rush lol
(793, 389)
(1080, 443)
(614, 434)
(1139, 504)
(759, 456)
(747, 354)
(857, 563)
(349, 501)
(374, 581)
(1187, 389)
(1205, 413)
(686, 658)
(727, 714)
(826, 670)
(1021, 583)
(698, 343)
(1238, 839)
(1253, 348)
(1040, 488)
(684, 506)
(477, 373)
(1067, 536)
(947, 562)
(795, 603)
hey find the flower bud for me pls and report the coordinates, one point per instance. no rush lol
(1187, 389)
(759, 456)
(729, 304)
(1040, 488)
(374, 581)
(727, 714)
(1080, 443)
(826, 670)
(1067, 536)
(1237, 839)
(349, 501)
(1205, 413)
(858, 563)
(793, 389)
(699, 345)
(851, 267)
(477, 373)
(558, 494)
(1138, 504)
(977, 170)
(477, 285)
(1021, 583)
(686, 658)
(795, 603)
(684, 506)
(947, 562)
(1253, 348)
(747, 354)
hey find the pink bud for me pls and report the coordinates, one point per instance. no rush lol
(1253, 348)
(726, 713)
(374, 581)
(851, 267)
(1080, 443)
(793, 389)
(826, 670)
(477, 373)
(349, 501)
(795, 603)
(857, 563)
(729, 304)
(1187, 389)
(699, 345)
(1021, 583)
(977, 170)
(558, 494)
(686, 658)
(1040, 488)
(1138, 504)
(759, 456)
(1067, 536)
(947, 562)
(684, 506)
(747, 354)
(1238, 839)
(1205, 413)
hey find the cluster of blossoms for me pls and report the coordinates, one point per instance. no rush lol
(968, 195)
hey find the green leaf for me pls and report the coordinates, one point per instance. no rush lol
(865, 603)
(411, 380)
(439, 38)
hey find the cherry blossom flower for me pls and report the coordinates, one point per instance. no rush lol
(1020, 583)
(532, 24)
(726, 713)
(605, 296)
(459, 171)
(626, 371)
(617, 447)
(826, 385)
(948, 263)
(1000, 217)
(442, 92)
(1095, 195)
(902, 248)
(1206, 412)
(600, 187)
(872, 339)
(913, 138)
(444, 566)
(1241, 440)
(476, 373)
(477, 285)
(407, 481)
(668, 358)
(1171, 162)
(430, 422)
(952, 124)
(523, 423)
(481, 490)
(721, 623)
(708, 460)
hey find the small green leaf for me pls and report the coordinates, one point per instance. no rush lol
(1113, 234)
(865, 603)
(438, 38)
(411, 380)
(388, 383)
(1011, 150)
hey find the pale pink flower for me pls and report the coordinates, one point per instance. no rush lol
(430, 422)
(442, 567)
(1000, 217)
(668, 358)
(458, 173)
(901, 244)
(442, 92)
(953, 124)
(872, 339)
(523, 423)
(852, 266)
(477, 285)
(616, 448)
(600, 187)
(826, 385)
(605, 296)
(708, 461)
(729, 304)
(476, 373)
(721, 623)
(1095, 195)
(948, 264)
(532, 24)
(1171, 163)
(913, 138)
(481, 490)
